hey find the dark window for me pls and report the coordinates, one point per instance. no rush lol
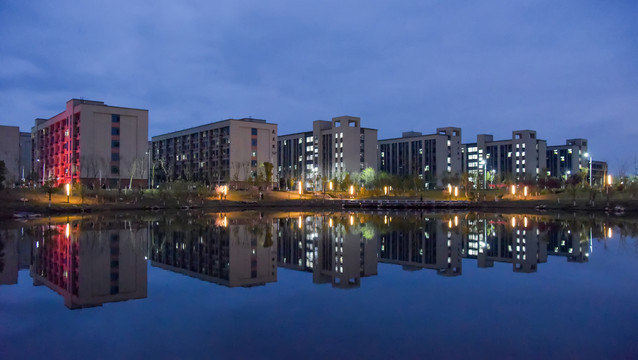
(115, 170)
(115, 118)
(253, 131)
(253, 163)
(115, 144)
(115, 157)
(115, 131)
(254, 142)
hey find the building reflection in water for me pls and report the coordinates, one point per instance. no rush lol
(15, 254)
(226, 250)
(335, 249)
(90, 263)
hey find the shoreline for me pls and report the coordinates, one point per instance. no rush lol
(616, 208)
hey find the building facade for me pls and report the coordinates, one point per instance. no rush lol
(564, 160)
(333, 149)
(296, 158)
(219, 152)
(488, 160)
(432, 157)
(10, 153)
(92, 143)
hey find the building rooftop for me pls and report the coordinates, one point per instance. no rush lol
(199, 128)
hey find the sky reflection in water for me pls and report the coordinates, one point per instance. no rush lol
(318, 285)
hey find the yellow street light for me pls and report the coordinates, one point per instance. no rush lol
(513, 189)
(330, 186)
(609, 180)
(300, 189)
(456, 191)
(68, 192)
(525, 191)
(351, 190)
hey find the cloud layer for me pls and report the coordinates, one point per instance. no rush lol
(565, 69)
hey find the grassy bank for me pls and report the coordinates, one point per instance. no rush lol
(37, 201)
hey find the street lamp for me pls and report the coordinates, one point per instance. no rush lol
(590, 175)
(483, 163)
(68, 192)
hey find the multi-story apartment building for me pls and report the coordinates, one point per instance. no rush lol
(219, 152)
(564, 160)
(10, 153)
(337, 147)
(91, 142)
(598, 173)
(432, 157)
(296, 155)
(523, 156)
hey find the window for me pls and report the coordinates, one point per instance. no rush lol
(115, 143)
(115, 118)
(253, 142)
(115, 131)
(253, 163)
(115, 157)
(253, 131)
(115, 170)
(253, 154)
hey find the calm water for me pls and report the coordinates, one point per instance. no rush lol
(303, 285)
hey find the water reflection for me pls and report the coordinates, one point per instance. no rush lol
(90, 261)
(87, 262)
(236, 252)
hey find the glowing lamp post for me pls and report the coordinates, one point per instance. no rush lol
(587, 155)
(300, 189)
(68, 192)
(456, 192)
(525, 192)
(351, 190)
(330, 186)
(609, 180)
(513, 189)
(385, 190)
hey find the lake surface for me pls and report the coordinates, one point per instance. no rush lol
(319, 285)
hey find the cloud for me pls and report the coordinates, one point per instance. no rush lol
(565, 69)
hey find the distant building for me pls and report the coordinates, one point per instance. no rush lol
(335, 148)
(26, 150)
(296, 158)
(431, 157)
(489, 160)
(92, 143)
(599, 173)
(10, 153)
(219, 152)
(568, 159)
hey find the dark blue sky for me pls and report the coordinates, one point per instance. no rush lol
(566, 69)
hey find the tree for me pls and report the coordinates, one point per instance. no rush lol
(367, 177)
(49, 188)
(268, 173)
(3, 174)
(135, 167)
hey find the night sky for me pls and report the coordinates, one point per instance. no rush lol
(564, 68)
